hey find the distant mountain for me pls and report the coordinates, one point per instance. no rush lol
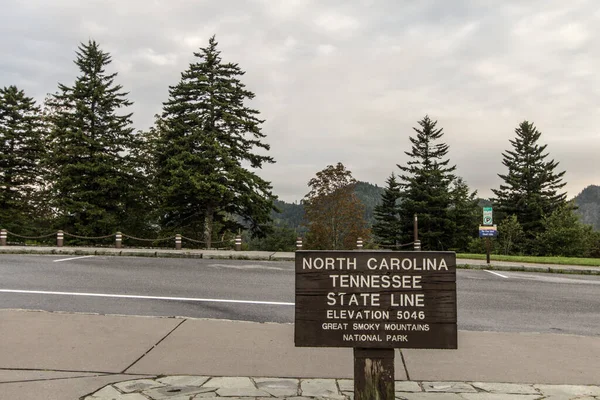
(588, 203)
(370, 195)
(291, 215)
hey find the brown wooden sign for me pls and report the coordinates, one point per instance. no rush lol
(376, 299)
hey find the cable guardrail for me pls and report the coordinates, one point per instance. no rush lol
(118, 236)
(31, 237)
(394, 246)
(178, 238)
(88, 237)
(148, 240)
(204, 242)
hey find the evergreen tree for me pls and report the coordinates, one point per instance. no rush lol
(531, 187)
(95, 178)
(206, 137)
(465, 214)
(334, 214)
(387, 225)
(510, 235)
(281, 239)
(564, 234)
(20, 153)
(425, 189)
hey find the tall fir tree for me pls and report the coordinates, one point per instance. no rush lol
(20, 153)
(387, 224)
(531, 189)
(425, 189)
(95, 178)
(465, 214)
(207, 136)
(333, 212)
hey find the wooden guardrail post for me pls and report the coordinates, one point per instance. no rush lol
(238, 243)
(60, 238)
(299, 243)
(359, 243)
(3, 236)
(178, 241)
(118, 240)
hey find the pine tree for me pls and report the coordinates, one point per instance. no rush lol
(387, 225)
(95, 178)
(465, 214)
(207, 136)
(531, 187)
(564, 234)
(334, 214)
(425, 189)
(20, 153)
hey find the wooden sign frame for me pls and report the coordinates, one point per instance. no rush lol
(376, 299)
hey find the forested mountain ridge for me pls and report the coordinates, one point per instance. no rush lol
(291, 215)
(588, 206)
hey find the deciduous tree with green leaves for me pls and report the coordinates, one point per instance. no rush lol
(21, 150)
(387, 224)
(209, 145)
(95, 179)
(531, 188)
(425, 183)
(334, 214)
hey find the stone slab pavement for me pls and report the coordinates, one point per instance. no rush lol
(184, 387)
(69, 356)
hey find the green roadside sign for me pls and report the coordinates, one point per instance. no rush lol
(487, 216)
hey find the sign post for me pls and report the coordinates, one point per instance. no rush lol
(488, 220)
(373, 302)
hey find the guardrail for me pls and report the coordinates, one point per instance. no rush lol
(119, 236)
(178, 239)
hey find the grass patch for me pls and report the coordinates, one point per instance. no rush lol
(587, 262)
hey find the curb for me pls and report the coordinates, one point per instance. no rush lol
(524, 268)
(552, 269)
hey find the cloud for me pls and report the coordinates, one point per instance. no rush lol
(346, 81)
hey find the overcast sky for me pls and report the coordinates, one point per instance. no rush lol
(345, 81)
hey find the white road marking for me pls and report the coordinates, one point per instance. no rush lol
(495, 273)
(72, 258)
(131, 296)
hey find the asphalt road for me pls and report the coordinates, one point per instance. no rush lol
(263, 291)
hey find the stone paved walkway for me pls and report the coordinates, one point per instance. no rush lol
(234, 388)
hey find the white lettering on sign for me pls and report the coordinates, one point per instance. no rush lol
(406, 327)
(377, 281)
(407, 264)
(396, 338)
(353, 299)
(356, 337)
(380, 298)
(407, 299)
(365, 327)
(339, 263)
(334, 326)
(358, 314)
